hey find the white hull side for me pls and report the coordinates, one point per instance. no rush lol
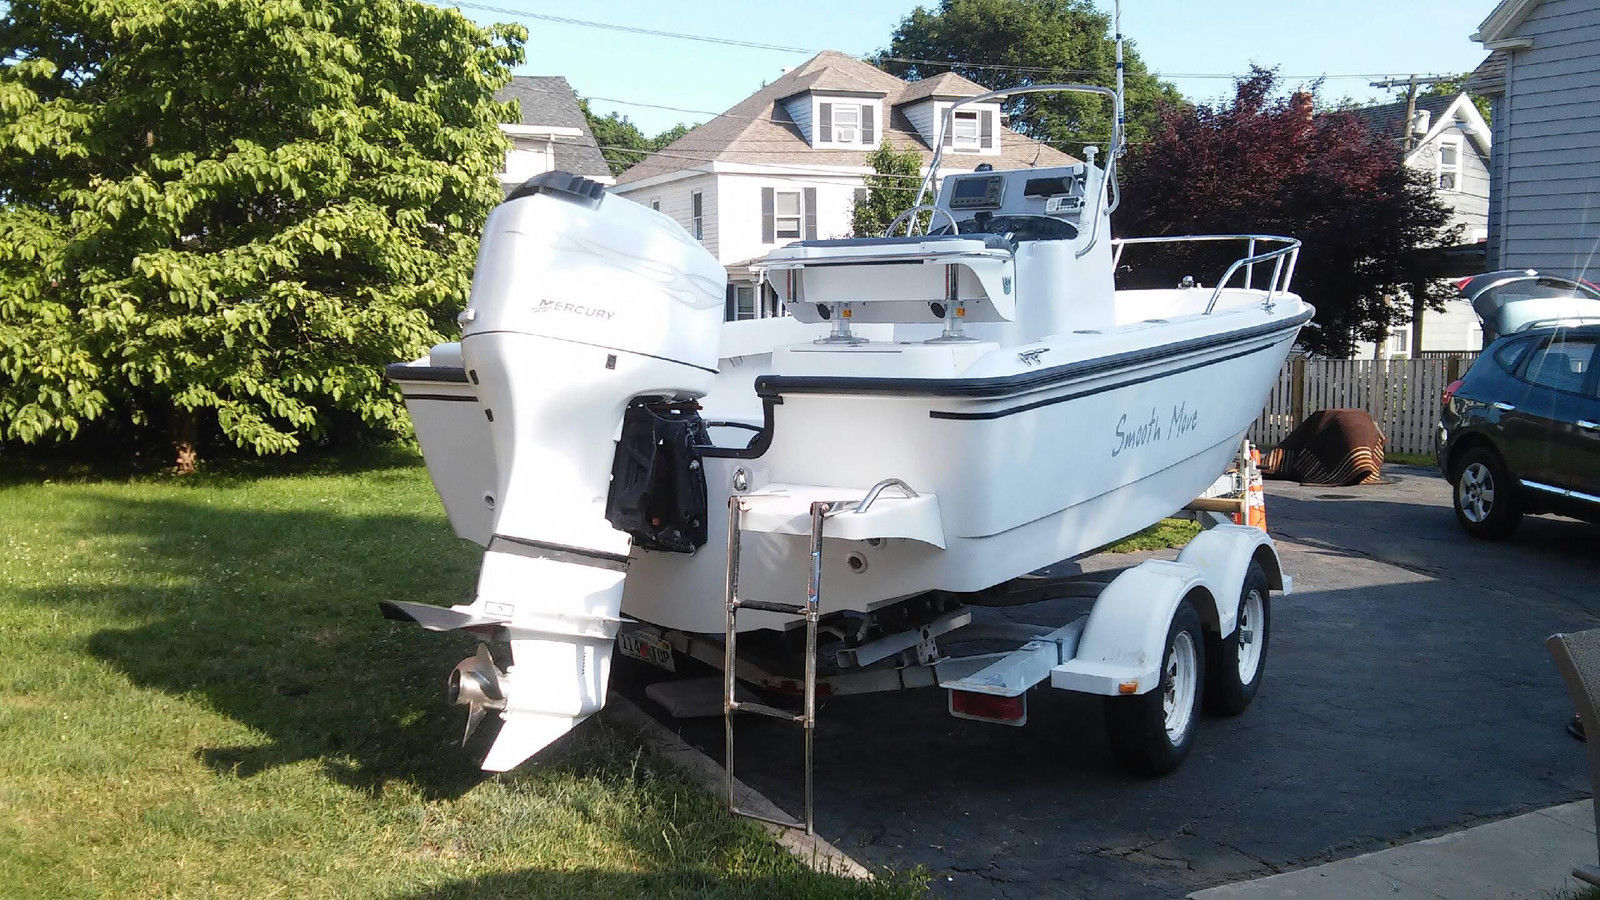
(1016, 492)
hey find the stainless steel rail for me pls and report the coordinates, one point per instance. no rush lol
(1283, 260)
(872, 496)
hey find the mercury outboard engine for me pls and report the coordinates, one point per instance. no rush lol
(588, 313)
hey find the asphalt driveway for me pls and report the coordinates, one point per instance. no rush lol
(1407, 693)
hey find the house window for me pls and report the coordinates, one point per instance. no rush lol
(744, 302)
(655, 203)
(786, 214)
(964, 130)
(1399, 342)
(697, 214)
(854, 124)
(1449, 164)
(846, 123)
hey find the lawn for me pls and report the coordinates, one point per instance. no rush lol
(198, 697)
(1160, 536)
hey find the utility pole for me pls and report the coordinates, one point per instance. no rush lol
(1407, 140)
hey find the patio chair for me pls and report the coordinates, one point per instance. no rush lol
(1578, 657)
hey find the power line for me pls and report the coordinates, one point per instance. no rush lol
(949, 64)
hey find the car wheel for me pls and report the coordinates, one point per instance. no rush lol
(1151, 733)
(1235, 664)
(1485, 501)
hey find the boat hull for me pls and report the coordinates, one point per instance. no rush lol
(1027, 471)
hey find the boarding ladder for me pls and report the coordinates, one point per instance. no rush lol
(810, 610)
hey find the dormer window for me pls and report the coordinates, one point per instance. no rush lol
(964, 130)
(969, 129)
(846, 124)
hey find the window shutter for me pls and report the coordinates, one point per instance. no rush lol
(730, 303)
(811, 214)
(869, 124)
(769, 228)
(949, 129)
(986, 126)
(824, 123)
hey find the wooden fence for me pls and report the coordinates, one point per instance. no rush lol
(1402, 396)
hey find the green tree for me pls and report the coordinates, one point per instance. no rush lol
(890, 189)
(1266, 163)
(621, 142)
(228, 215)
(1034, 42)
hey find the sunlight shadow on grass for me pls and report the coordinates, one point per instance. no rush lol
(269, 617)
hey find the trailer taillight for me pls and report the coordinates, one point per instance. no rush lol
(989, 708)
(1449, 392)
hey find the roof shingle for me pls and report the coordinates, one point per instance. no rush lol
(1388, 120)
(549, 100)
(758, 130)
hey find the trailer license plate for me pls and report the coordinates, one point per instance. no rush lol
(647, 646)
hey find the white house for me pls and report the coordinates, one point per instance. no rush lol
(1543, 83)
(552, 132)
(787, 162)
(1450, 143)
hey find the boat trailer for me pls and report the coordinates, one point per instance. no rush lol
(1129, 646)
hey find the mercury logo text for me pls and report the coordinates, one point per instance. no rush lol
(576, 309)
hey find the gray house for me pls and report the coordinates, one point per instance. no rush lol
(1447, 141)
(1543, 80)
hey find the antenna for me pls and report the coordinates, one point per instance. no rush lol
(1116, 28)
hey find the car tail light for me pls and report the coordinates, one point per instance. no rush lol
(1462, 284)
(1449, 392)
(989, 708)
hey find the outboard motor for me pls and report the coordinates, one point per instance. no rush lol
(584, 306)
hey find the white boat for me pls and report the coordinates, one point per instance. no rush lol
(939, 415)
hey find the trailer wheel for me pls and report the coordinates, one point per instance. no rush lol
(1237, 662)
(1151, 733)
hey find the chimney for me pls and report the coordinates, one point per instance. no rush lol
(1303, 104)
(1420, 122)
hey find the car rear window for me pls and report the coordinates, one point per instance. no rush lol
(1562, 363)
(1509, 355)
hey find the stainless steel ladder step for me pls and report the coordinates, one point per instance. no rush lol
(791, 609)
(806, 717)
(762, 709)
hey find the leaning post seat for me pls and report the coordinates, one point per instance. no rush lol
(905, 279)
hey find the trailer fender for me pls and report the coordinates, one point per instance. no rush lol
(1223, 554)
(1125, 634)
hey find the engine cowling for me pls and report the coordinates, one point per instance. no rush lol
(581, 304)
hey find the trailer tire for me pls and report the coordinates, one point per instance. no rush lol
(1151, 733)
(1235, 664)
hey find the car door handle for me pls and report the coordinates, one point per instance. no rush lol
(1587, 425)
(1504, 407)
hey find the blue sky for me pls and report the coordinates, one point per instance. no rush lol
(1305, 38)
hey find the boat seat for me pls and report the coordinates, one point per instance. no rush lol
(990, 241)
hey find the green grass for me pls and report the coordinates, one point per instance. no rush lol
(198, 697)
(1160, 536)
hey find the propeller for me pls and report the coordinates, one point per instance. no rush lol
(475, 684)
